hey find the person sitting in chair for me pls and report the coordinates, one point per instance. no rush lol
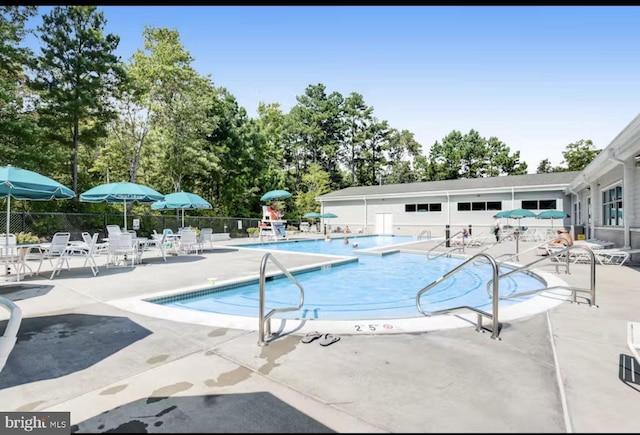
(564, 239)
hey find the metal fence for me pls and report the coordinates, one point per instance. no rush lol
(44, 225)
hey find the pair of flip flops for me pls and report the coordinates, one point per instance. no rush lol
(323, 339)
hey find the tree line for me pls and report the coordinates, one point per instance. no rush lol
(78, 113)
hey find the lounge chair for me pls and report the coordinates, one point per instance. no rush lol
(614, 257)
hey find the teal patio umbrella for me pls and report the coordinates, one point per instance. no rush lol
(552, 214)
(274, 195)
(502, 214)
(122, 192)
(520, 213)
(23, 184)
(312, 215)
(181, 201)
(327, 216)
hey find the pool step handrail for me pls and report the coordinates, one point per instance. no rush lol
(495, 328)
(574, 290)
(9, 337)
(264, 325)
(456, 248)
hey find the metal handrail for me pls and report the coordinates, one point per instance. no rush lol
(264, 325)
(426, 232)
(9, 337)
(517, 254)
(495, 329)
(574, 290)
(457, 248)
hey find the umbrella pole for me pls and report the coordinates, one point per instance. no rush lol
(183, 218)
(6, 237)
(125, 215)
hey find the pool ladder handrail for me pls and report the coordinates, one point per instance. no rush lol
(574, 290)
(9, 337)
(424, 234)
(264, 325)
(455, 248)
(495, 328)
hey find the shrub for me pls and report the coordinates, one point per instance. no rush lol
(23, 237)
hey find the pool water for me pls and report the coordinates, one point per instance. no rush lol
(336, 246)
(374, 287)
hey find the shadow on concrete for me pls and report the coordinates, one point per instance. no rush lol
(53, 346)
(629, 372)
(21, 291)
(259, 412)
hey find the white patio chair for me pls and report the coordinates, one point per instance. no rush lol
(188, 242)
(113, 229)
(206, 236)
(56, 249)
(120, 246)
(10, 254)
(89, 250)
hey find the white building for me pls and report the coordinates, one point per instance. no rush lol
(415, 207)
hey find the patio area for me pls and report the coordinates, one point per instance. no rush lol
(565, 370)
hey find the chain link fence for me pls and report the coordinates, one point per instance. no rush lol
(45, 225)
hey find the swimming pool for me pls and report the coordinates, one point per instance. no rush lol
(374, 287)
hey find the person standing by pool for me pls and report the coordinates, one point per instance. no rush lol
(496, 227)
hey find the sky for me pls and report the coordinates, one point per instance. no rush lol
(536, 77)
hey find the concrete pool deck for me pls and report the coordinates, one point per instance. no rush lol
(566, 369)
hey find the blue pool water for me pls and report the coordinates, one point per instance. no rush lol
(336, 246)
(374, 287)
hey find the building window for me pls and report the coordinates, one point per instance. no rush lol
(612, 206)
(409, 208)
(539, 204)
(431, 206)
(480, 206)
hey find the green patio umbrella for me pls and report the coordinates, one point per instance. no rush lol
(181, 201)
(23, 184)
(552, 214)
(274, 195)
(312, 215)
(122, 192)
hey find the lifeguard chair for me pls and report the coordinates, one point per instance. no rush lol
(271, 228)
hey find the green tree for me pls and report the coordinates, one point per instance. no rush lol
(315, 182)
(178, 100)
(357, 116)
(17, 123)
(472, 156)
(402, 153)
(544, 167)
(77, 74)
(579, 154)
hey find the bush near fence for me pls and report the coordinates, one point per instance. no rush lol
(45, 225)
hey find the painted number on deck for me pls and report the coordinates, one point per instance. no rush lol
(365, 328)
